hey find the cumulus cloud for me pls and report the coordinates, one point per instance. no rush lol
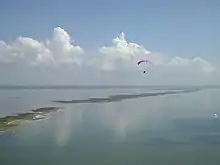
(196, 64)
(119, 58)
(55, 51)
(123, 54)
(119, 53)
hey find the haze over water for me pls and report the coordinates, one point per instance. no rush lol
(162, 129)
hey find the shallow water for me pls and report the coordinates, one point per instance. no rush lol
(166, 129)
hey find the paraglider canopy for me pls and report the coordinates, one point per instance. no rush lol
(145, 67)
(140, 61)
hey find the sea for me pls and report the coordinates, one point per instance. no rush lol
(112, 126)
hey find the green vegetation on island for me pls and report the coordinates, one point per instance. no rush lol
(12, 121)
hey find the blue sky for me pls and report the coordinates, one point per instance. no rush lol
(172, 27)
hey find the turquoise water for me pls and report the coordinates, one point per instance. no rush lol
(167, 129)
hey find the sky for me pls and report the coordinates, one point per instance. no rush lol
(99, 42)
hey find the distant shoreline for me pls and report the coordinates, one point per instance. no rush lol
(12, 121)
(170, 87)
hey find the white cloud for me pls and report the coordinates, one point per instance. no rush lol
(178, 61)
(62, 48)
(123, 54)
(122, 48)
(197, 64)
(55, 51)
(119, 53)
(120, 57)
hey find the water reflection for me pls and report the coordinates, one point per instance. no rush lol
(64, 129)
(174, 129)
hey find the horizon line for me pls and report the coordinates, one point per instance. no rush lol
(67, 86)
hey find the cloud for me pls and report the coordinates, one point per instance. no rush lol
(119, 53)
(197, 64)
(119, 58)
(122, 54)
(55, 51)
